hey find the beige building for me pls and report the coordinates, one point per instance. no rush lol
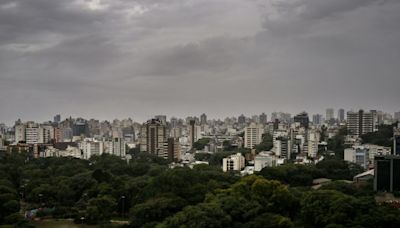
(253, 135)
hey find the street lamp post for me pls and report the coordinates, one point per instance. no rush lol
(123, 205)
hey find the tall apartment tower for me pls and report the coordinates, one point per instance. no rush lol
(387, 173)
(192, 132)
(241, 119)
(317, 119)
(341, 115)
(57, 118)
(396, 141)
(153, 135)
(303, 119)
(174, 150)
(263, 118)
(359, 123)
(252, 135)
(203, 119)
(330, 114)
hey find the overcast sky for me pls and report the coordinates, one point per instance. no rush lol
(123, 58)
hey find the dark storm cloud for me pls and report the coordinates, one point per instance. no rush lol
(106, 59)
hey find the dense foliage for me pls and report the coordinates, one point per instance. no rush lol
(266, 143)
(149, 194)
(382, 137)
(201, 143)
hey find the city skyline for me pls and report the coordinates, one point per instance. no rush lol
(269, 116)
(107, 59)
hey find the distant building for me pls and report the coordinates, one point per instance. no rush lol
(119, 147)
(57, 118)
(283, 148)
(162, 118)
(2, 147)
(33, 133)
(90, 147)
(174, 150)
(312, 143)
(387, 173)
(341, 115)
(153, 135)
(263, 118)
(330, 114)
(234, 162)
(194, 132)
(396, 141)
(303, 119)
(317, 119)
(203, 119)
(253, 135)
(20, 133)
(80, 128)
(241, 119)
(359, 123)
(264, 159)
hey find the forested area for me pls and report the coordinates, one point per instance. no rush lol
(149, 194)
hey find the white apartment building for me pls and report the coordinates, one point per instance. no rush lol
(312, 143)
(119, 147)
(91, 147)
(33, 133)
(358, 155)
(234, 162)
(264, 159)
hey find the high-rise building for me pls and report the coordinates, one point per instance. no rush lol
(341, 115)
(317, 119)
(79, 128)
(153, 135)
(20, 133)
(330, 115)
(396, 141)
(359, 123)
(174, 150)
(312, 143)
(303, 119)
(263, 118)
(387, 173)
(241, 119)
(90, 147)
(193, 132)
(119, 147)
(253, 135)
(283, 147)
(233, 163)
(33, 133)
(57, 118)
(203, 119)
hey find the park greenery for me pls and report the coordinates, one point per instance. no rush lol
(149, 194)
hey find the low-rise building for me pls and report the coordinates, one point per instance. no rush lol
(234, 162)
(264, 159)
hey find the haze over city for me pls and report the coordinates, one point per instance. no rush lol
(116, 59)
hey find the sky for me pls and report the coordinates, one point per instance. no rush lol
(111, 59)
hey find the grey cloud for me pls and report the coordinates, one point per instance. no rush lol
(139, 58)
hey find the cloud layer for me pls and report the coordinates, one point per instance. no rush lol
(120, 58)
